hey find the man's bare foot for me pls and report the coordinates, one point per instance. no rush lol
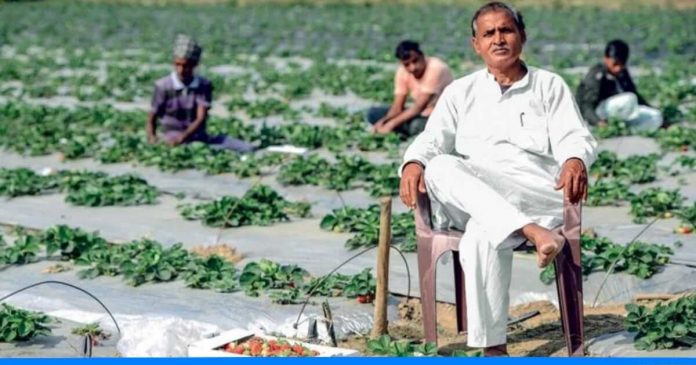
(548, 243)
(498, 350)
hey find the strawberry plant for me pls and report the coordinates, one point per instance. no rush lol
(266, 274)
(687, 162)
(384, 180)
(328, 286)
(82, 187)
(260, 205)
(147, 261)
(666, 326)
(285, 296)
(614, 128)
(635, 169)
(22, 181)
(365, 222)
(123, 147)
(261, 108)
(329, 111)
(607, 192)
(655, 202)
(24, 250)
(677, 137)
(72, 243)
(384, 345)
(361, 285)
(688, 218)
(93, 330)
(212, 272)
(303, 171)
(18, 325)
(639, 259)
(106, 262)
(124, 190)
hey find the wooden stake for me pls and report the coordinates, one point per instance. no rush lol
(379, 327)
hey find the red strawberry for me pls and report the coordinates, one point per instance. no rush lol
(367, 298)
(684, 230)
(255, 348)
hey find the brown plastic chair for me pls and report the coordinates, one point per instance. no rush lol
(432, 244)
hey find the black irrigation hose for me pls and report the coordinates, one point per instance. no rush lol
(613, 264)
(71, 286)
(311, 291)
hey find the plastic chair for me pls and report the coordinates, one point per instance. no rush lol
(432, 244)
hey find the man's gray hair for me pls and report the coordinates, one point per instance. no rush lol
(494, 6)
(186, 47)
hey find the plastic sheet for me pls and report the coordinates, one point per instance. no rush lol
(621, 345)
(161, 319)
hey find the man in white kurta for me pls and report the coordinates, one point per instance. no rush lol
(493, 156)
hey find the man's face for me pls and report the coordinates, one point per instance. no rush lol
(414, 64)
(613, 66)
(184, 69)
(497, 40)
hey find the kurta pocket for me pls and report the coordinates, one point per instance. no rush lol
(530, 133)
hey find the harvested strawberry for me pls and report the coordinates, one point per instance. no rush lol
(257, 346)
(363, 299)
(684, 230)
(298, 349)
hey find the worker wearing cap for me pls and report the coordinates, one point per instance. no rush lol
(181, 102)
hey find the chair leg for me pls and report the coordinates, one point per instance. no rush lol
(459, 292)
(569, 285)
(426, 276)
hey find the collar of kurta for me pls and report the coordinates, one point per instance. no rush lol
(519, 84)
(178, 85)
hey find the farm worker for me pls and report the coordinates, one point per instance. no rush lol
(607, 91)
(500, 149)
(182, 100)
(420, 77)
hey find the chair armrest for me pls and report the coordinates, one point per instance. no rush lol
(422, 214)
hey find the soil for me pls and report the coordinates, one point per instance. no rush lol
(225, 251)
(540, 335)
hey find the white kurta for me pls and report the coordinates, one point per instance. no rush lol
(491, 163)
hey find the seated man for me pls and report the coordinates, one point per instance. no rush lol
(498, 148)
(182, 100)
(421, 77)
(607, 91)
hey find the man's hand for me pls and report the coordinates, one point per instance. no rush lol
(573, 180)
(375, 127)
(385, 128)
(412, 181)
(175, 141)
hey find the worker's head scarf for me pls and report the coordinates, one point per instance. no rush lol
(187, 48)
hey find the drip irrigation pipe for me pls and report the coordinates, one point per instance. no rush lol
(311, 291)
(71, 286)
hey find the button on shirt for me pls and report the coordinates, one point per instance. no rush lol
(525, 134)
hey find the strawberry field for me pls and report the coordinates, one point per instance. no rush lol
(86, 200)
